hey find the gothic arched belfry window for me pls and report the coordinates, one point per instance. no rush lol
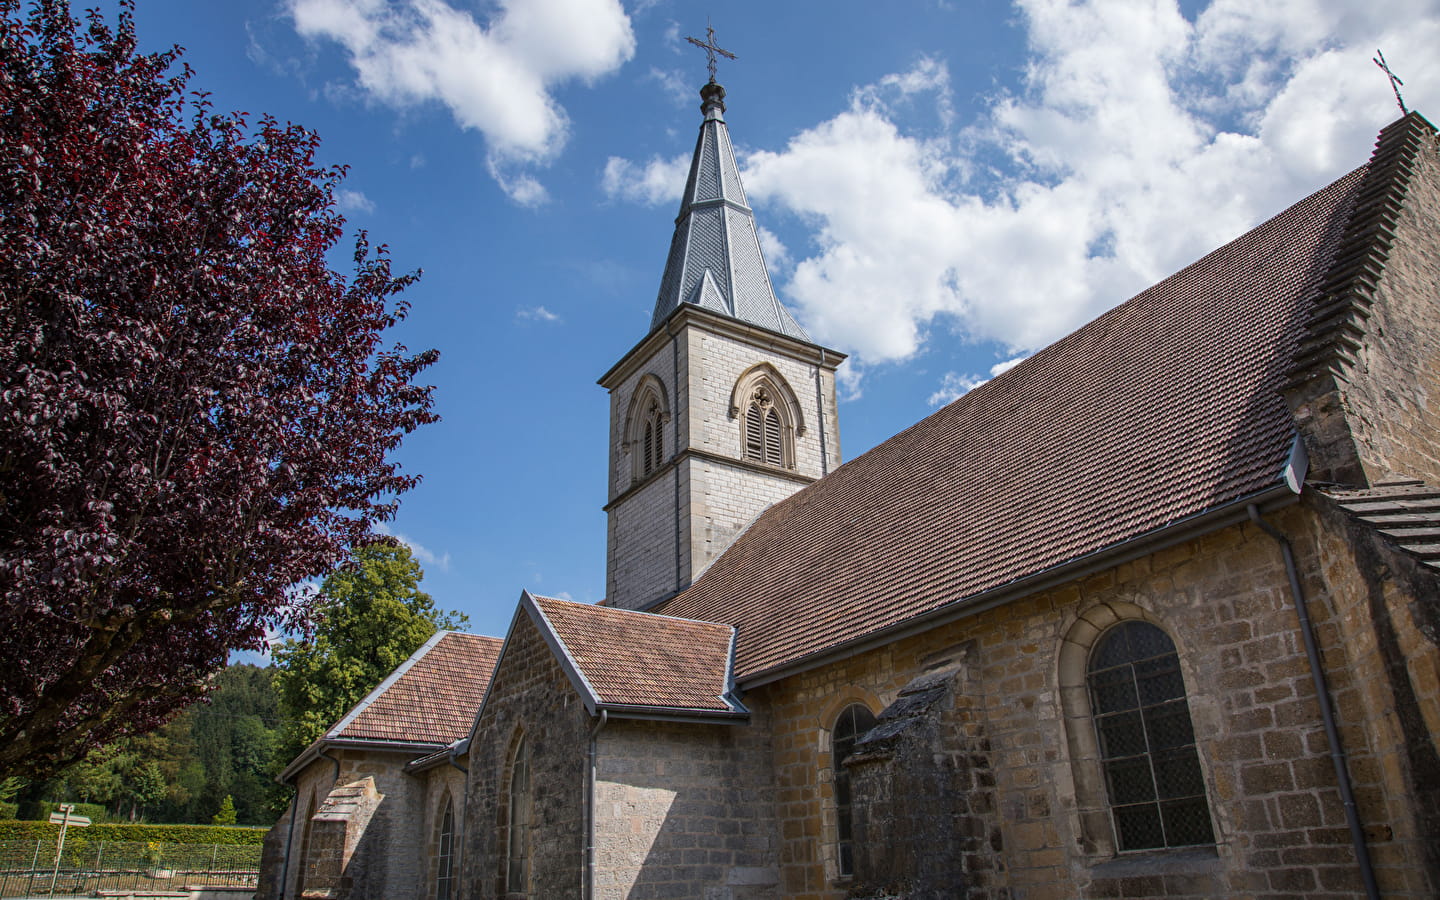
(645, 428)
(769, 416)
(763, 431)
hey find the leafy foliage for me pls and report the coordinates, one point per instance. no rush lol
(165, 834)
(372, 615)
(196, 413)
(226, 815)
(221, 748)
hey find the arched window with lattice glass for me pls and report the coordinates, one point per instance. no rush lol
(445, 866)
(853, 722)
(517, 838)
(1153, 780)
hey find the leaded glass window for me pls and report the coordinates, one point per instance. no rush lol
(517, 869)
(853, 722)
(445, 873)
(1147, 743)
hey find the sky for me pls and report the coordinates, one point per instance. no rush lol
(943, 189)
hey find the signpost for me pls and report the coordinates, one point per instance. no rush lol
(64, 819)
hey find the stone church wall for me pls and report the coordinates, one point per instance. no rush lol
(372, 853)
(1034, 795)
(684, 811)
(1387, 617)
(1394, 399)
(530, 697)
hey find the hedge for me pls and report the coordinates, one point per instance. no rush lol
(165, 834)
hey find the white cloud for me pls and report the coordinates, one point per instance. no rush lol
(537, 314)
(349, 201)
(651, 184)
(777, 255)
(495, 76)
(1138, 141)
(422, 554)
(953, 386)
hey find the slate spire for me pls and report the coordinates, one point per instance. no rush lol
(715, 260)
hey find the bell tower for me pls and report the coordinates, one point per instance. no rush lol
(725, 407)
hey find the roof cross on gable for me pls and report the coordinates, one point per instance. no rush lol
(1378, 59)
(710, 48)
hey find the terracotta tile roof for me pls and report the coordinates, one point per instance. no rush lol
(1164, 407)
(431, 699)
(640, 659)
(1406, 514)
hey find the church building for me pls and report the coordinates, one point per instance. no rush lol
(1155, 613)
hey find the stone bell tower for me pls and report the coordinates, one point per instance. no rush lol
(725, 407)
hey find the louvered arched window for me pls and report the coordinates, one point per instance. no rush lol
(764, 432)
(652, 449)
(645, 425)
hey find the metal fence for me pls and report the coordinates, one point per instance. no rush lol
(27, 868)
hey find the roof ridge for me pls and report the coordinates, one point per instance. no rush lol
(1344, 294)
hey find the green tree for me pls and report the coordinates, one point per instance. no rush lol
(371, 616)
(226, 815)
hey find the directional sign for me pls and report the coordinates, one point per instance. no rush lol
(72, 821)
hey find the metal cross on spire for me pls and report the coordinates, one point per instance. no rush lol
(710, 48)
(1395, 82)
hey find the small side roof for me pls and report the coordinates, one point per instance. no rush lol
(640, 664)
(431, 698)
(428, 702)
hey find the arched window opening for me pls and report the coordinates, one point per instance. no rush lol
(764, 436)
(644, 433)
(445, 874)
(653, 445)
(305, 843)
(1146, 740)
(517, 868)
(854, 721)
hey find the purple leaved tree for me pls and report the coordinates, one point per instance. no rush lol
(196, 413)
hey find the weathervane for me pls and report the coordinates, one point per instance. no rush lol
(710, 48)
(1395, 81)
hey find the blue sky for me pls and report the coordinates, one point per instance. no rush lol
(945, 187)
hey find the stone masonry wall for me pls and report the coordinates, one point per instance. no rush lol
(377, 855)
(1224, 599)
(640, 539)
(684, 811)
(708, 502)
(531, 696)
(1387, 615)
(1393, 398)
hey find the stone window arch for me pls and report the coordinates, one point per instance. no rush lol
(645, 423)
(853, 721)
(769, 414)
(1139, 784)
(518, 820)
(311, 804)
(445, 872)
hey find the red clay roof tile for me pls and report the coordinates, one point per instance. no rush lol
(640, 659)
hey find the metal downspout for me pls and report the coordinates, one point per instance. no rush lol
(820, 416)
(464, 805)
(1327, 711)
(588, 886)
